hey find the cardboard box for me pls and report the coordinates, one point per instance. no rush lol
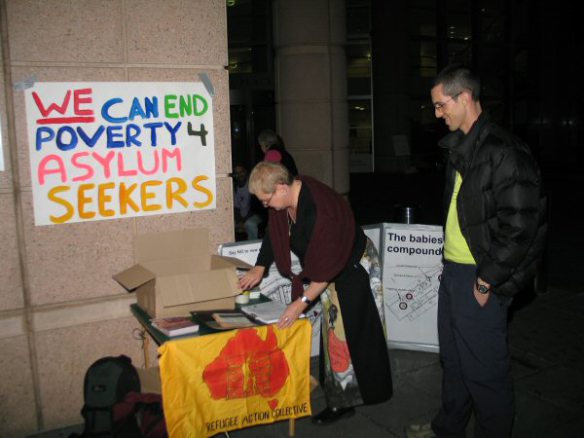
(175, 274)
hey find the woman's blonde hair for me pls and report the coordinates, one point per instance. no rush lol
(266, 175)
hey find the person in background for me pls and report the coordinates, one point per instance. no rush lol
(247, 220)
(317, 224)
(274, 150)
(494, 235)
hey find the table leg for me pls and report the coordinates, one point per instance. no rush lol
(146, 348)
(292, 427)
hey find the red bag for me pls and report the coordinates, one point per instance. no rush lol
(146, 408)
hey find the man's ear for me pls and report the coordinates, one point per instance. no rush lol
(468, 97)
(465, 97)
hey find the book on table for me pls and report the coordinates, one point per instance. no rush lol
(175, 325)
(232, 320)
(222, 319)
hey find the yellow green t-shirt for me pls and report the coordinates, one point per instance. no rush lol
(455, 247)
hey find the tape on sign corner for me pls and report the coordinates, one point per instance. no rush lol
(26, 83)
(204, 77)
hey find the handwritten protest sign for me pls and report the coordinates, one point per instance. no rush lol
(117, 150)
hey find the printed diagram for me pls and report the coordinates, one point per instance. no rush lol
(413, 290)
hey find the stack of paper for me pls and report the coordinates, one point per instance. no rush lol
(267, 312)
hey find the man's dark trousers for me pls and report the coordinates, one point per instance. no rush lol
(475, 359)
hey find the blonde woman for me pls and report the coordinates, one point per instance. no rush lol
(317, 224)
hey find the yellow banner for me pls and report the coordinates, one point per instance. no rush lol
(236, 379)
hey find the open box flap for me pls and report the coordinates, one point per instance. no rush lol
(167, 267)
(190, 244)
(176, 290)
(134, 277)
(228, 262)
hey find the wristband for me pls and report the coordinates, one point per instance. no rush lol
(305, 299)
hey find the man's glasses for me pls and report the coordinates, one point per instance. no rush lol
(439, 105)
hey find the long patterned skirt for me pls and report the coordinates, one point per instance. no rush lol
(354, 360)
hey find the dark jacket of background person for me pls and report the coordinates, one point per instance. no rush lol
(274, 150)
(500, 204)
(285, 158)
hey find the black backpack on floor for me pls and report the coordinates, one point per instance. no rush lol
(107, 382)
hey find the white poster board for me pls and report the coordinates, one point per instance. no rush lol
(110, 150)
(274, 286)
(412, 265)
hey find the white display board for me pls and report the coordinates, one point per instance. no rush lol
(110, 150)
(412, 265)
(273, 285)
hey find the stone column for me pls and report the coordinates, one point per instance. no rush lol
(311, 87)
(60, 309)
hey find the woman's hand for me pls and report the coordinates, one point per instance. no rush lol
(295, 308)
(291, 314)
(252, 278)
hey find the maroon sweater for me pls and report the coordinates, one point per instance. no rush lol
(331, 243)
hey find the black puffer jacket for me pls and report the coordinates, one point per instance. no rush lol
(501, 208)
